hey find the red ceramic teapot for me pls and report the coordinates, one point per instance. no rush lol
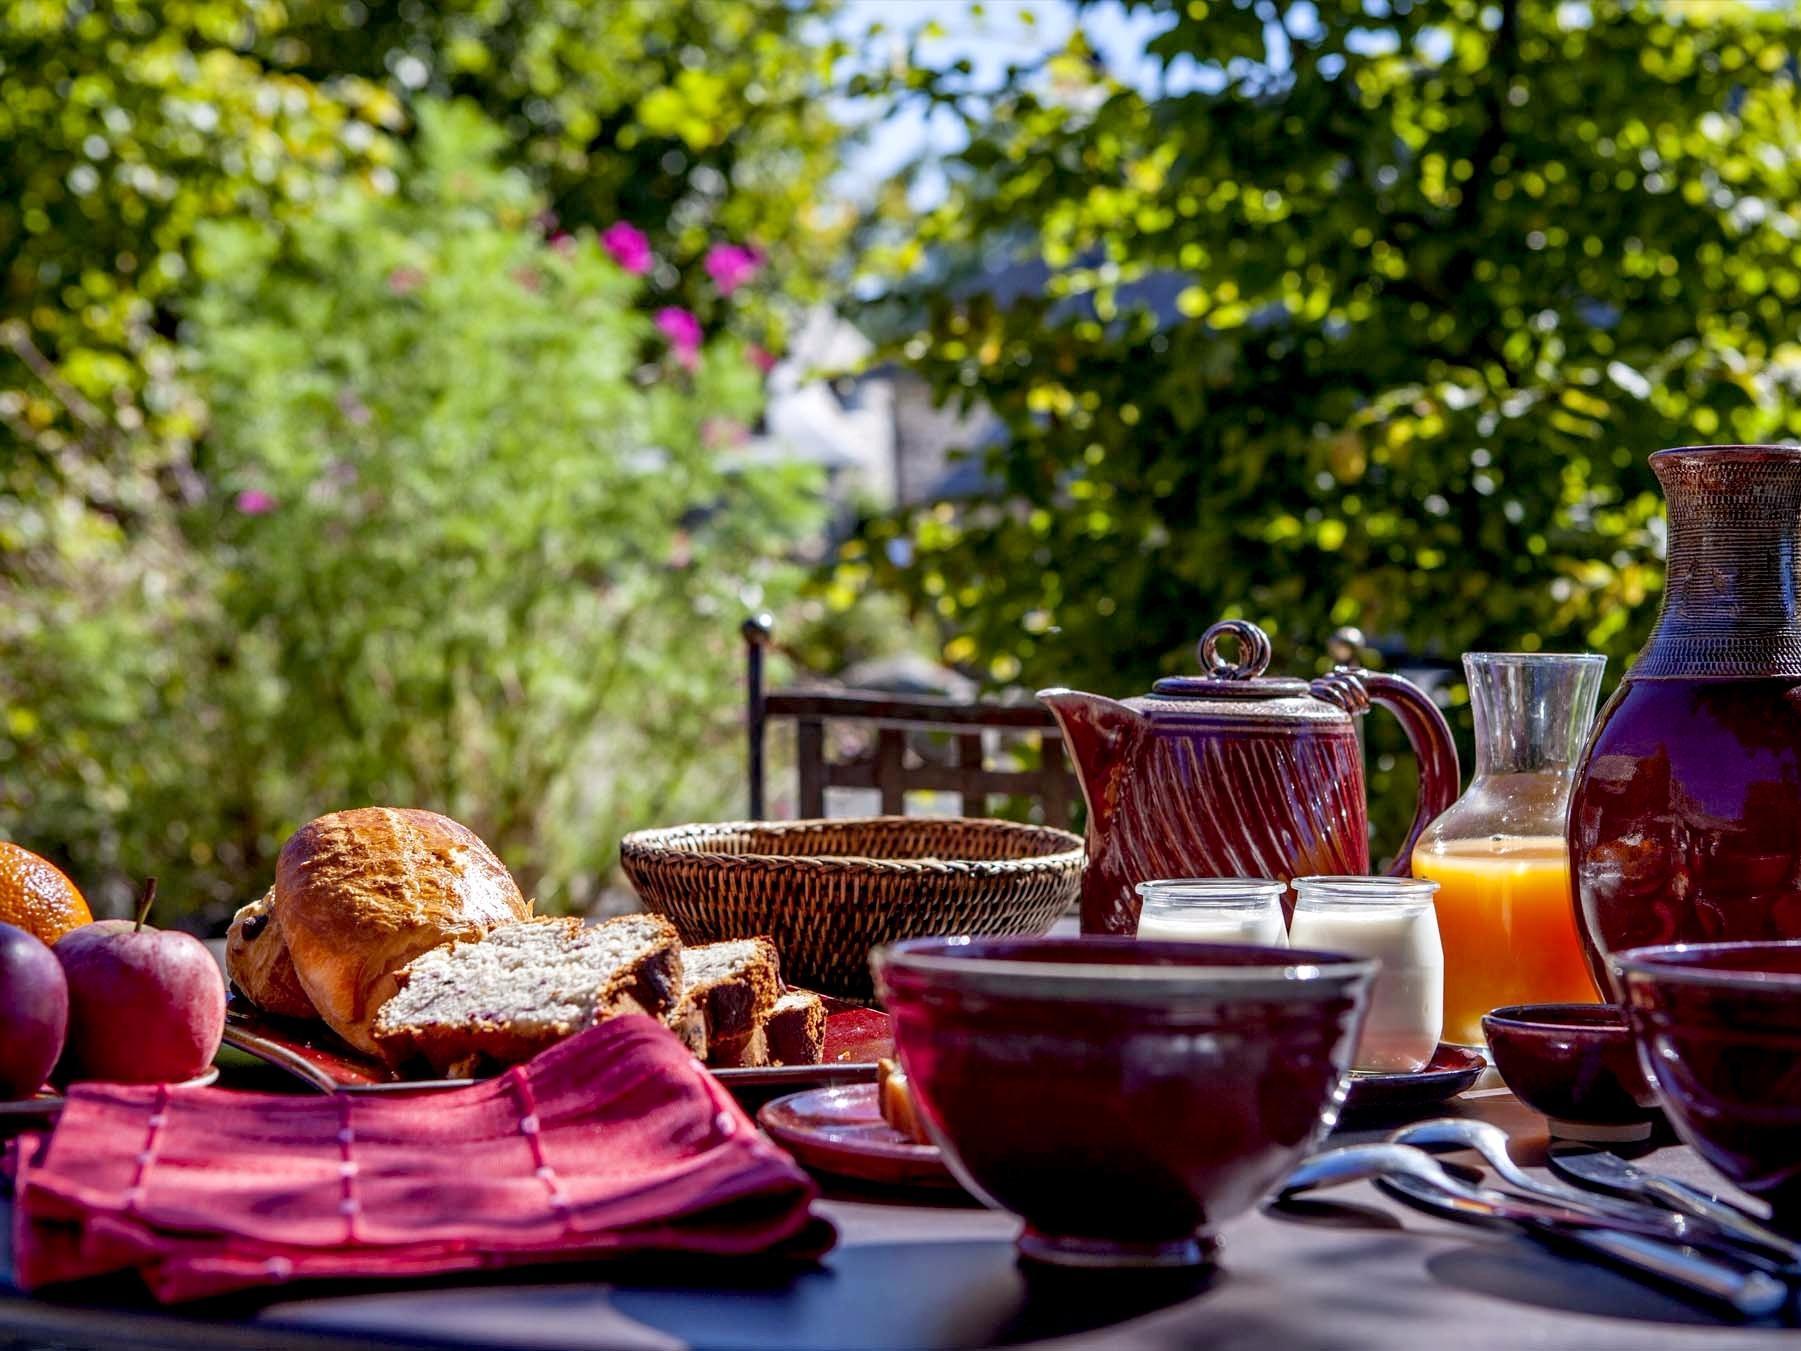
(1233, 774)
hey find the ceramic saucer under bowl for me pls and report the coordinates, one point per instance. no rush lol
(1452, 1070)
(840, 1131)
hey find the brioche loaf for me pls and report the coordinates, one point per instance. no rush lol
(500, 999)
(359, 894)
(259, 964)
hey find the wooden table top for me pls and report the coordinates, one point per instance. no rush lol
(911, 1272)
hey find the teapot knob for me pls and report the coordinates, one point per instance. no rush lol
(1345, 646)
(1253, 650)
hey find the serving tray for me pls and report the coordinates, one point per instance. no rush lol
(855, 1038)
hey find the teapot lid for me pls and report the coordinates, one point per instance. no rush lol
(1243, 679)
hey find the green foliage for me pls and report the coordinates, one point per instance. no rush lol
(180, 682)
(126, 123)
(378, 493)
(698, 120)
(501, 563)
(1437, 283)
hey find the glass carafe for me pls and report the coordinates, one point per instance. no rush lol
(1505, 913)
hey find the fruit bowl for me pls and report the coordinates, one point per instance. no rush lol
(1123, 1097)
(1719, 1029)
(829, 891)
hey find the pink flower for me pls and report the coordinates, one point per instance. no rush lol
(563, 242)
(717, 432)
(355, 411)
(731, 265)
(761, 357)
(405, 280)
(254, 502)
(683, 331)
(628, 245)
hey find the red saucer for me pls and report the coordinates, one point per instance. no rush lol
(839, 1130)
(1453, 1070)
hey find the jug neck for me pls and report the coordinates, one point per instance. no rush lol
(1531, 710)
(1732, 591)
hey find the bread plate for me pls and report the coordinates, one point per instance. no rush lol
(21, 1113)
(856, 1038)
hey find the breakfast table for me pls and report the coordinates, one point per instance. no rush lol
(1344, 1268)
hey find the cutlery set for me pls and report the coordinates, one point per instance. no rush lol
(1656, 1228)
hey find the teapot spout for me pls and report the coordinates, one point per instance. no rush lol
(1100, 734)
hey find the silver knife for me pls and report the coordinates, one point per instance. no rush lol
(1610, 1172)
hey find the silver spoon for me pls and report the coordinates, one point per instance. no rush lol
(1417, 1179)
(1671, 1210)
(1491, 1143)
(1359, 1163)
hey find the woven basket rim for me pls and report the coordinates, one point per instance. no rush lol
(661, 845)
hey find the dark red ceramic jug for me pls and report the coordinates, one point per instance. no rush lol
(1685, 825)
(1234, 775)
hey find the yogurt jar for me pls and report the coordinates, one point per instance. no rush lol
(1213, 910)
(1393, 920)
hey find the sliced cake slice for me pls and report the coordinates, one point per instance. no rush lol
(689, 1023)
(501, 999)
(795, 1029)
(748, 1052)
(731, 985)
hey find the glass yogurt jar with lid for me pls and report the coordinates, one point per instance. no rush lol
(1213, 910)
(1393, 920)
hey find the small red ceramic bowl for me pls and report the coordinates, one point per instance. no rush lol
(1719, 1026)
(1576, 1063)
(1122, 1096)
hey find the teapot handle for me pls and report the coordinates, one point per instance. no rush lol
(1354, 690)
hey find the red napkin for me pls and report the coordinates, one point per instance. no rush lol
(614, 1141)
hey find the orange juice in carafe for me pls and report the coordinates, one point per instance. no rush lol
(1504, 911)
(1508, 929)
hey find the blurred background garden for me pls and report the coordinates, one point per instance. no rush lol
(405, 402)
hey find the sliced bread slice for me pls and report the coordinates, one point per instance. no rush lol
(689, 1023)
(748, 1052)
(501, 999)
(795, 1029)
(733, 984)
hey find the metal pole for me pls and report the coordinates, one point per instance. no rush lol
(757, 632)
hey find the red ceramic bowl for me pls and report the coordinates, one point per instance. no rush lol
(1121, 1096)
(1576, 1063)
(1719, 1027)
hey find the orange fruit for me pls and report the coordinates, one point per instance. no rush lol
(36, 896)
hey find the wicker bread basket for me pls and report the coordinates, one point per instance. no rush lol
(829, 891)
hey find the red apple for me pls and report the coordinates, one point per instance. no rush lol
(34, 1012)
(145, 1005)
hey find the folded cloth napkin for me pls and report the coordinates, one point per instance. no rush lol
(613, 1141)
